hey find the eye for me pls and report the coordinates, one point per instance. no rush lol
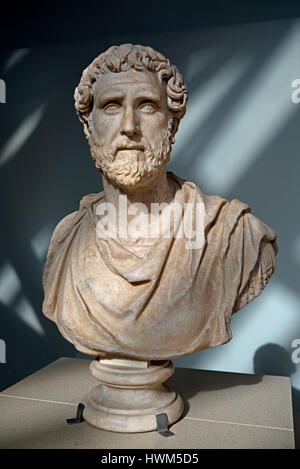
(148, 106)
(112, 107)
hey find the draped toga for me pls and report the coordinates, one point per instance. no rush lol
(169, 302)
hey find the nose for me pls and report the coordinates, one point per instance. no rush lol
(129, 125)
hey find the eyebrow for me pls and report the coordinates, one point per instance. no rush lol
(116, 94)
(109, 96)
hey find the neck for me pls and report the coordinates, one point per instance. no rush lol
(160, 191)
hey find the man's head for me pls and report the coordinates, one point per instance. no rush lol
(130, 100)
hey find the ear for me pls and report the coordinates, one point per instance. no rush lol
(87, 124)
(86, 128)
(173, 126)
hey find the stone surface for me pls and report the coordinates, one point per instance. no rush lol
(222, 410)
(123, 362)
(130, 396)
(130, 293)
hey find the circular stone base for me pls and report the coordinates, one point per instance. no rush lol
(124, 407)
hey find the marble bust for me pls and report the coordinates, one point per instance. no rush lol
(148, 297)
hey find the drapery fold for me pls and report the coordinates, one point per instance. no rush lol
(170, 302)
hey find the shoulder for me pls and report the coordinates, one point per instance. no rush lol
(64, 223)
(70, 221)
(214, 204)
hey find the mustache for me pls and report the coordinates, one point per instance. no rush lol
(127, 145)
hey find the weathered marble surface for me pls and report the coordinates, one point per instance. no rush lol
(131, 395)
(151, 298)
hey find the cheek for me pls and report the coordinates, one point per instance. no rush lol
(104, 126)
(154, 128)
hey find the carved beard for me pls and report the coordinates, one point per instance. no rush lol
(132, 173)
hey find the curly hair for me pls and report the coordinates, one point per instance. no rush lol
(121, 59)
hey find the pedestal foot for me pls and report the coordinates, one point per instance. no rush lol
(130, 395)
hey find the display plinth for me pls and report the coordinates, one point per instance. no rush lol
(131, 395)
(222, 410)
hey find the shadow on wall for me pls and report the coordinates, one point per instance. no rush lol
(45, 167)
(43, 176)
(271, 359)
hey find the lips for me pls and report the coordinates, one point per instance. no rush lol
(133, 147)
(129, 146)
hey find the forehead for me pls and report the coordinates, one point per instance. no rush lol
(132, 80)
